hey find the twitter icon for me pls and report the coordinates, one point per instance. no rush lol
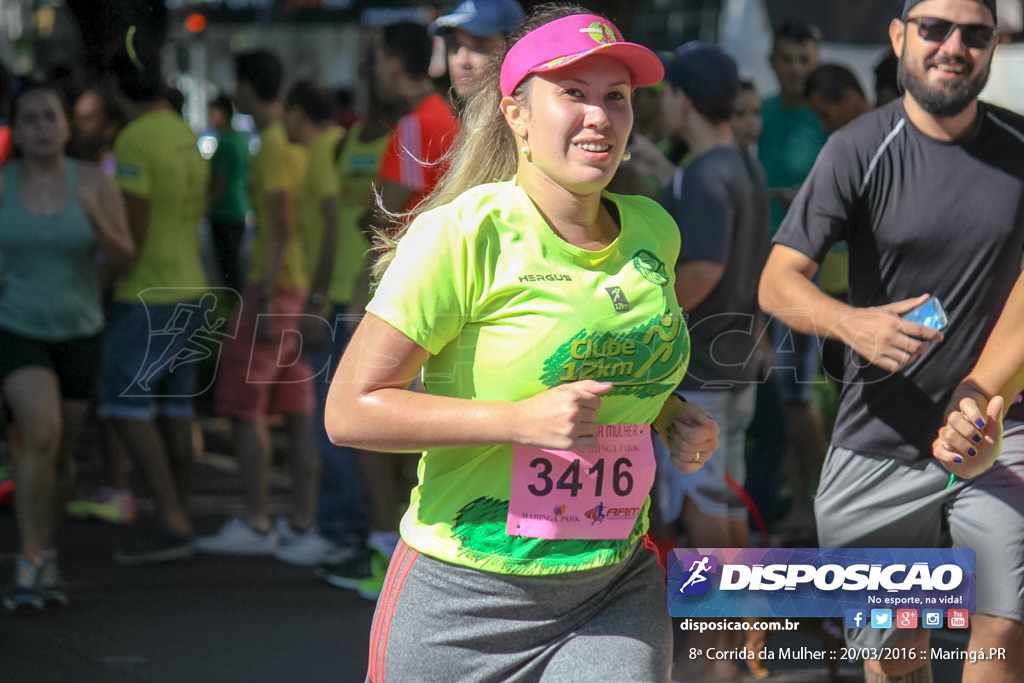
(881, 618)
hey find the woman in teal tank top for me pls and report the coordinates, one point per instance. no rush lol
(55, 214)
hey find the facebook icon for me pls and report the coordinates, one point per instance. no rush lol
(855, 618)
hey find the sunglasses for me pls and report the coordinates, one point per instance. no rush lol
(974, 36)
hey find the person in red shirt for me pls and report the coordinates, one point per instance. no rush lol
(410, 167)
(6, 145)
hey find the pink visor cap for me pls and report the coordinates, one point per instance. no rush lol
(570, 39)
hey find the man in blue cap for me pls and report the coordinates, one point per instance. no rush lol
(472, 33)
(928, 191)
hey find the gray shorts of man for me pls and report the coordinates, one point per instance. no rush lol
(872, 502)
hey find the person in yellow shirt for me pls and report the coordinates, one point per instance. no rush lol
(309, 123)
(163, 180)
(350, 486)
(264, 370)
(518, 280)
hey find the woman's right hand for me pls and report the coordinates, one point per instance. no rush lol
(562, 418)
(972, 437)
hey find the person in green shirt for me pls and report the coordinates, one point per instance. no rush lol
(790, 140)
(228, 196)
(540, 313)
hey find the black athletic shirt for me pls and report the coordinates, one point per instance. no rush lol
(920, 216)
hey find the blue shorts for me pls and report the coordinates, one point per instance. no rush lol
(149, 358)
(733, 410)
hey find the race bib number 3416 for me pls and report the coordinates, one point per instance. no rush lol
(594, 494)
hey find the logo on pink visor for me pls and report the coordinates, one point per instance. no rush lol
(570, 39)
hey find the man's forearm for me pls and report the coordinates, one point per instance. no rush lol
(791, 296)
(321, 279)
(277, 239)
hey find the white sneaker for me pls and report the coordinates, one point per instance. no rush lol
(286, 533)
(307, 548)
(238, 538)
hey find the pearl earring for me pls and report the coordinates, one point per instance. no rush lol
(626, 156)
(525, 149)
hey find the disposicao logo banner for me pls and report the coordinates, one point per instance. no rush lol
(817, 582)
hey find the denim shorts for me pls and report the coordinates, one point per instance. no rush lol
(733, 410)
(149, 358)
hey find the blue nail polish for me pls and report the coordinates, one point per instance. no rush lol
(976, 438)
(980, 423)
(971, 451)
(958, 459)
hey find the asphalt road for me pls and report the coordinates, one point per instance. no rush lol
(202, 619)
(219, 619)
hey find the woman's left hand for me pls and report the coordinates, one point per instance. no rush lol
(692, 437)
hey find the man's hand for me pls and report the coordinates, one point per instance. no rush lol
(264, 318)
(883, 338)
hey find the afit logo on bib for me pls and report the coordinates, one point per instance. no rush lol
(817, 582)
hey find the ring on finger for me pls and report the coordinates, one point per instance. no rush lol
(696, 456)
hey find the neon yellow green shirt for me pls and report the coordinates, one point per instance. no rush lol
(277, 167)
(358, 168)
(507, 309)
(158, 160)
(319, 182)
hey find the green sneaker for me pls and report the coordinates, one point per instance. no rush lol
(114, 506)
(371, 586)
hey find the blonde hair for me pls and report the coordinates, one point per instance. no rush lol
(485, 148)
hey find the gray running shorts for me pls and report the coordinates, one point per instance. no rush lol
(442, 622)
(871, 502)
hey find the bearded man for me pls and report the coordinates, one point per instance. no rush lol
(928, 191)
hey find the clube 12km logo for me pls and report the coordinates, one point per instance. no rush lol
(822, 582)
